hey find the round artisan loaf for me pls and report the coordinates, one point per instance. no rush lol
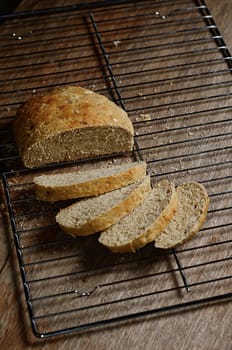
(96, 214)
(192, 206)
(145, 222)
(70, 123)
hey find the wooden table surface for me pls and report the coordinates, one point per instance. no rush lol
(203, 328)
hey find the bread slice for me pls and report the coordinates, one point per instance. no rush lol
(55, 187)
(70, 123)
(144, 223)
(96, 214)
(191, 213)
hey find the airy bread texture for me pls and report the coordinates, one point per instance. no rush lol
(144, 223)
(96, 214)
(70, 123)
(191, 213)
(55, 187)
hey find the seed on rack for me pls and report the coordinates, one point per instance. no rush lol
(173, 168)
(157, 13)
(190, 133)
(19, 38)
(13, 34)
(34, 91)
(116, 42)
(140, 94)
(163, 17)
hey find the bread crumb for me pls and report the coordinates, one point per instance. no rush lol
(145, 116)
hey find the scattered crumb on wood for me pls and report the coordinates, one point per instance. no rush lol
(145, 116)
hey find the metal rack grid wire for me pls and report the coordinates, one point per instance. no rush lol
(167, 65)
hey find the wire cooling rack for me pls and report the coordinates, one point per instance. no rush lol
(166, 63)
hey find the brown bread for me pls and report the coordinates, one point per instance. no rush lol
(55, 187)
(144, 223)
(191, 213)
(96, 214)
(70, 123)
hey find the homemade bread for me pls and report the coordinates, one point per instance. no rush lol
(54, 187)
(191, 213)
(144, 223)
(96, 214)
(70, 123)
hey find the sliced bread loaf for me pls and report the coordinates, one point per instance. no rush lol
(144, 223)
(54, 187)
(191, 213)
(70, 123)
(96, 214)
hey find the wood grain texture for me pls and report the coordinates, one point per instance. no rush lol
(205, 328)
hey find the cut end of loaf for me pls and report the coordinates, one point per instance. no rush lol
(78, 144)
(192, 207)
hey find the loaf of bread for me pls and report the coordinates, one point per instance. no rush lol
(96, 214)
(70, 123)
(55, 187)
(191, 213)
(144, 223)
